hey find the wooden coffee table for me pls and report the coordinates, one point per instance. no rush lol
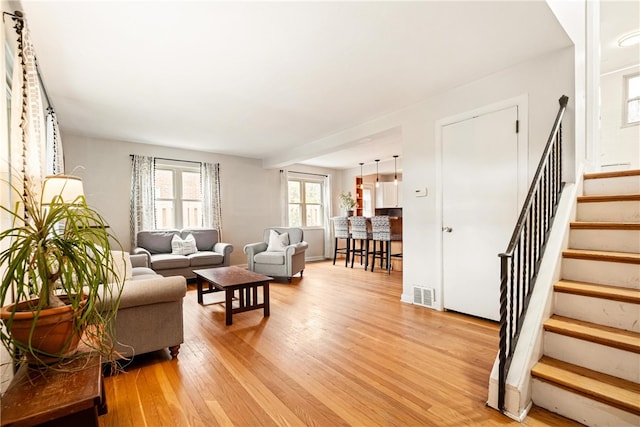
(228, 279)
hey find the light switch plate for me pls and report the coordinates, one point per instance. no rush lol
(421, 192)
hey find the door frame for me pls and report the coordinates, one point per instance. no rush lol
(522, 102)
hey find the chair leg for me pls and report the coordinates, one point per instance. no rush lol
(366, 255)
(388, 257)
(346, 256)
(335, 251)
(373, 261)
(353, 253)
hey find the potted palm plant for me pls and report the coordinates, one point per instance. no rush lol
(58, 271)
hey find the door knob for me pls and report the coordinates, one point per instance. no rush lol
(447, 229)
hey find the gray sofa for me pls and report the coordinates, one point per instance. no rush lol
(156, 245)
(149, 317)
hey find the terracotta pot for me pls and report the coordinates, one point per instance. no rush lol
(55, 336)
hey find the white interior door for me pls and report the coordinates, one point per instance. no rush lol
(480, 202)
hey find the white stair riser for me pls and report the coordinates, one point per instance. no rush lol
(577, 407)
(616, 314)
(608, 360)
(609, 186)
(605, 240)
(601, 272)
(627, 211)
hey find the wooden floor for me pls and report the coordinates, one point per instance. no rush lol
(338, 349)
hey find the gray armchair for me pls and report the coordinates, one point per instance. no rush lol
(284, 261)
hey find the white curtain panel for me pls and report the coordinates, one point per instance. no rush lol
(27, 116)
(212, 204)
(142, 196)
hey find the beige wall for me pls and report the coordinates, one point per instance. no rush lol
(250, 194)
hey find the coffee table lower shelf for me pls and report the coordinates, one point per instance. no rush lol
(230, 279)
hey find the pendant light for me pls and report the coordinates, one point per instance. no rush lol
(377, 179)
(361, 180)
(395, 167)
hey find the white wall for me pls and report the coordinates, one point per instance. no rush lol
(544, 80)
(6, 368)
(250, 194)
(422, 244)
(618, 143)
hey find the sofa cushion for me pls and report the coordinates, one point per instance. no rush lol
(154, 290)
(205, 258)
(139, 277)
(142, 271)
(277, 241)
(122, 268)
(156, 242)
(184, 246)
(274, 258)
(206, 238)
(165, 261)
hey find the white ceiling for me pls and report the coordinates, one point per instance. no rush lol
(618, 18)
(257, 78)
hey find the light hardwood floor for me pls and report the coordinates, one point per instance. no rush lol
(338, 349)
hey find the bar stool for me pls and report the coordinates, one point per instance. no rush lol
(381, 232)
(359, 232)
(341, 231)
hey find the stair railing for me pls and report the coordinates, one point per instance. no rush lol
(520, 263)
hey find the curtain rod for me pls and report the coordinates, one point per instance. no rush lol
(171, 160)
(18, 16)
(306, 173)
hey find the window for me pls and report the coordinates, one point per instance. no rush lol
(367, 205)
(632, 99)
(178, 196)
(305, 203)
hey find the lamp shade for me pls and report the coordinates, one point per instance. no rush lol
(69, 188)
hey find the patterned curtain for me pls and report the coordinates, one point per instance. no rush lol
(284, 199)
(212, 204)
(27, 116)
(328, 241)
(142, 196)
(55, 157)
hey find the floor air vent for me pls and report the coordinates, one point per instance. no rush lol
(424, 296)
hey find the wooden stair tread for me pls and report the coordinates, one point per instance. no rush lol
(605, 388)
(592, 225)
(616, 293)
(609, 198)
(600, 334)
(612, 174)
(624, 257)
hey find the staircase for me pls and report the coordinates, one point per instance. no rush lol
(590, 370)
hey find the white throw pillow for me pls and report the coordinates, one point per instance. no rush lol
(183, 247)
(277, 242)
(122, 268)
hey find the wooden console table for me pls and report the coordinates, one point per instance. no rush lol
(73, 396)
